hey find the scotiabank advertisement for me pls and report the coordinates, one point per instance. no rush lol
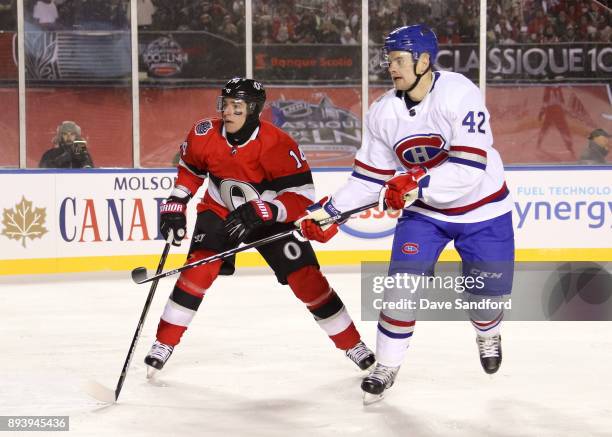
(103, 214)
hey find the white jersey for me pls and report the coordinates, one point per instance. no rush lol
(448, 132)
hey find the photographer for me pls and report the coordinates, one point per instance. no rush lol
(70, 149)
(597, 148)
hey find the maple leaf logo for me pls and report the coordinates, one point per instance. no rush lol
(24, 222)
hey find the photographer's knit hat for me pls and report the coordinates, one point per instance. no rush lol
(599, 133)
(68, 126)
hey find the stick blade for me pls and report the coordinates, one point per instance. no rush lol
(139, 275)
(99, 392)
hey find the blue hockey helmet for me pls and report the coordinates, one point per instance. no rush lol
(415, 39)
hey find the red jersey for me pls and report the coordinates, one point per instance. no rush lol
(269, 166)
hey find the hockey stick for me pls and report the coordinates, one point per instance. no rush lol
(97, 390)
(139, 274)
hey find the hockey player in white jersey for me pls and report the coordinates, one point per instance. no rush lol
(434, 126)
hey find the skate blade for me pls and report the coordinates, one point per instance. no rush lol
(369, 398)
(99, 392)
(151, 372)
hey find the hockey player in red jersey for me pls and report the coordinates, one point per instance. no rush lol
(259, 184)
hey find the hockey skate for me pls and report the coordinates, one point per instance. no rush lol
(361, 355)
(490, 351)
(157, 357)
(375, 384)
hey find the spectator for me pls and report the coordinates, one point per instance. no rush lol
(328, 34)
(265, 38)
(538, 23)
(45, 14)
(238, 8)
(605, 30)
(506, 37)
(501, 25)
(457, 21)
(146, 10)
(583, 26)
(119, 14)
(306, 28)
(597, 148)
(561, 24)
(229, 29)
(8, 14)
(570, 34)
(354, 20)
(549, 34)
(573, 13)
(523, 36)
(283, 26)
(205, 23)
(217, 11)
(69, 151)
(347, 37)
(591, 12)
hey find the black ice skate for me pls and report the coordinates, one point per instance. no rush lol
(361, 355)
(375, 384)
(490, 351)
(157, 357)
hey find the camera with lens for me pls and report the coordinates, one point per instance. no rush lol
(79, 146)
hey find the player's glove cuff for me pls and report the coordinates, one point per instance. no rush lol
(310, 223)
(403, 190)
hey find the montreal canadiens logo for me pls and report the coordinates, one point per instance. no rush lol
(424, 149)
(410, 248)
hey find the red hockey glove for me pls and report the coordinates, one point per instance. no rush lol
(172, 219)
(402, 190)
(249, 216)
(308, 223)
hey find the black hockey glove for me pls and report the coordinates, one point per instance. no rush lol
(172, 218)
(247, 217)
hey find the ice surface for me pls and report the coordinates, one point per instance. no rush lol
(254, 363)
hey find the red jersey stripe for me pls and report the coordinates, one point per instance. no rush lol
(373, 169)
(468, 150)
(498, 195)
(396, 322)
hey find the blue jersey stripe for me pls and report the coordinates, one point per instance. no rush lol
(462, 161)
(367, 178)
(393, 334)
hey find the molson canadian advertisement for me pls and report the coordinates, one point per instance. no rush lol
(108, 219)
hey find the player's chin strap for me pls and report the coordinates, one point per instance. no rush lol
(418, 77)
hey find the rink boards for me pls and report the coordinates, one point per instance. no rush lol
(106, 219)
